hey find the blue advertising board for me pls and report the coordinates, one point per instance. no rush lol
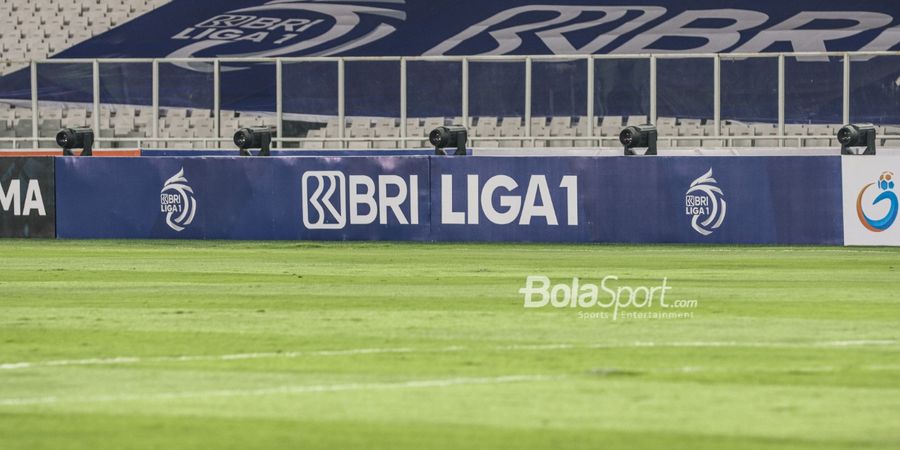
(243, 198)
(512, 199)
(746, 200)
(736, 200)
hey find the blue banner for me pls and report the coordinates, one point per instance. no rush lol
(258, 28)
(737, 200)
(382, 198)
(741, 200)
(514, 199)
(745, 200)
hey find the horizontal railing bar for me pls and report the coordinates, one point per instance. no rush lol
(667, 55)
(472, 138)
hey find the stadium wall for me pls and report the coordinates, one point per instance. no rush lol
(737, 200)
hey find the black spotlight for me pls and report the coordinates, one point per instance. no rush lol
(254, 137)
(69, 138)
(448, 137)
(857, 135)
(641, 136)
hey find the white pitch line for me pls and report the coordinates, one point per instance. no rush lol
(191, 358)
(283, 390)
(817, 344)
(121, 360)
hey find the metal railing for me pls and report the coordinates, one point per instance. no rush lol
(343, 141)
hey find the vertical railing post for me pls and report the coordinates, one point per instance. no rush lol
(403, 100)
(340, 105)
(717, 94)
(34, 106)
(95, 75)
(217, 100)
(465, 92)
(155, 94)
(528, 63)
(846, 97)
(781, 98)
(590, 98)
(652, 118)
(279, 101)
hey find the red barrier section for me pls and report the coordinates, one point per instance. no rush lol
(104, 153)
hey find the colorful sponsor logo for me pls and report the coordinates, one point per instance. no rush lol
(885, 184)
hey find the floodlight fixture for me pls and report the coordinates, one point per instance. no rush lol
(857, 135)
(448, 137)
(640, 136)
(254, 137)
(78, 137)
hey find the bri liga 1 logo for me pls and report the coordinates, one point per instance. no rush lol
(705, 203)
(885, 185)
(176, 201)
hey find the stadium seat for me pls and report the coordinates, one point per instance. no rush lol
(819, 130)
(486, 126)
(432, 123)
(313, 140)
(82, 19)
(414, 128)
(561, 127)
(744, 131)
(610, 125)
(636, 120)
(386, 128)
(689, 131)
(6, 129)
(539, 126)
(511, 127)
(666, 121)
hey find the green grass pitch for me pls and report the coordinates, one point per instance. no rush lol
(112, 345)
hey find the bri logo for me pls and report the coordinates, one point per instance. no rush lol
(176, 201)
(333, 200)
(705, 203)
(886, 185)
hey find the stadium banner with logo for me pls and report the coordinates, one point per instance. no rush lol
(739, 200)
(870, 188)
(27, 198)
(292, 28)
(746, 200)
(244, 198)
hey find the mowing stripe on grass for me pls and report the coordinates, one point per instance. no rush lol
(310, 389)
(372, 351)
